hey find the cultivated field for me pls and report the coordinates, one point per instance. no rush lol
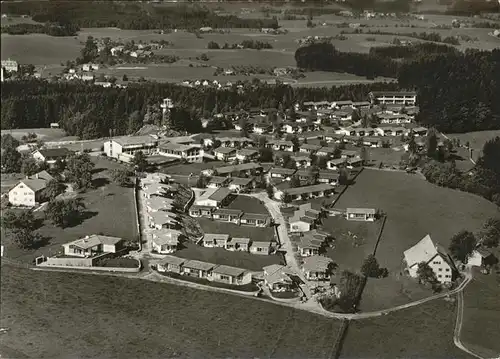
(425, 331)
(109, 210)
(476, 139)
(414, 208)
(220, 256)
(44, 134)
(153, 321)
(481, 310)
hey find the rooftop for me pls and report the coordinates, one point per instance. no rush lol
(241, 181)
(225, 150)
(94, 240)
(54, 152)
(308, 189)
(194, 264)
(229, 212)
(135, 140)
(361, 210)
(316, 263)
(218, 179)
(423, 251)
(255, 216)
(220, 194)
(394, 93)
(230, 271)
(209, 237)
(34, 184)
(237, 168)
(173, 260)
(283, 171)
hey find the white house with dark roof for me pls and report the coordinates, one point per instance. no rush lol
(190, 153)
(213, 197)
(28, 192)
(284, 174)
(247, 154)
(300, 193)
(218, 182)
(425, 251)
(238, 244)
(92, 245)
(51, 155)
(260, 247)
(255, 219)
(171, 264)
(279, 278)
(124, 148)
(165, 241)
(215, 240)
(225, 153)
(361, 214)
(238, 184)
(230, 275)
(227, 215)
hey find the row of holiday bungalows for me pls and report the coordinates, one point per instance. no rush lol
(235, 216)
(162, 213)
(204, 270)
(237, 244)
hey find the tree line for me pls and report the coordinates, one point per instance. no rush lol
(464, 98)
(129, 15)
(245, 44)
(91, 111)
(48, 29)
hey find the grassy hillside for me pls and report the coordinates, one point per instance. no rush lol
(61, 315)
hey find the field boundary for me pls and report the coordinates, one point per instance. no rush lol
(137, 214)
(339, 341)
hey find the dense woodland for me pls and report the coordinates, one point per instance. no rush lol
(457, 92)
(91, 111)
(48, 29)
(131, 15)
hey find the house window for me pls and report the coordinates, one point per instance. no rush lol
(259, 249)
(224, 277)
(447, 269)
(439, 276)
(448, 276)
(440, 269)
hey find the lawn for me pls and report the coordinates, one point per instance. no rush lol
(476, 139)
(414, 208)
(109, 210)
(248, 205)
(348, 253)
(110, 317)
(482, 310)
(220, 256)
(263, 234)
(425, 331)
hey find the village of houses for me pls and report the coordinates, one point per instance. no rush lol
(269, 212)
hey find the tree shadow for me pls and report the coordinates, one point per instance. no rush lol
(100, 182)
(41, 241)
(457, 157)
(81, 218)
(97, 170)
(39, 222)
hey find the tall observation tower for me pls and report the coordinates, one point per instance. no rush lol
(166, 106)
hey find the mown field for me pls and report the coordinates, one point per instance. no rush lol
(64, 315)
(476, 139)
(425, 331)
(482, 310)
(414, 208)
(110, 210)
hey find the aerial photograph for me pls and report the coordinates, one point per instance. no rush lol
(289, 179)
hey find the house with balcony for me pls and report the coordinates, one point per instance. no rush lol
(239, 185)
(189, 153)
(225, 153)
(230, 275)
(247, 154)
(93, 245)
(124, 148)
(238, 244)
(260, 247)
(361, 214)
(218, 182)
(201, 211)
(165, 241)
(279, 278)
(306, 192)
(317, 267)
(427, 252)
(280, 173)
(280, 145)
(255, 220)
(212, 240)
(227, 215)
(407, 98)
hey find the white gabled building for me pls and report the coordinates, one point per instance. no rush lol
(123, 148)
(425, 251)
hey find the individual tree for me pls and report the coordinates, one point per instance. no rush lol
(121, 176)
(371, 268)
(79, 171)
(58, 167)
(139, 161)
(286, 198)
(270, 191)
(363, 154)
(8, 141)
(204, 57)
(64, 213)
(125, 78)
(135, 122)
(412, 145)
(243, 122)
(29, 166)
(462, 244)
(337, 152)
(52, 190)
(356, 116)
(431, 143)
(89, 51)
(365, 121)
(343, 176)
(322, 162)
(10, 160)
(21, 226)
(490, 233)
(202, 181)
(295, 182)
(265, 154)
(426, 274)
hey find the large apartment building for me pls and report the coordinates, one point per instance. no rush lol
(397, 98)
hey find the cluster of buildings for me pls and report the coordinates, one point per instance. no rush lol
(210, 83)
(162, 213)
(204, 270)
(9, 66)
(237, 244)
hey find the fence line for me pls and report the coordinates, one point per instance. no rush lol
(137, 214)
